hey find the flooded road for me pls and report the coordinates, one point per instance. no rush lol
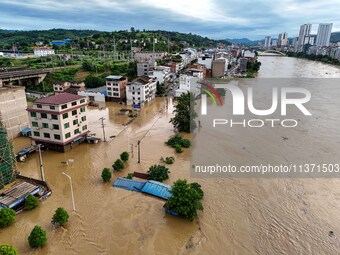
(241, 216)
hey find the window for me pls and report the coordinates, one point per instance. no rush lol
(64, 106)
(109, 88)
(84, 127)
(55, 126)
(67, 135)
(57, 137)
(76, 131)
(65, 115)
(82, 109)
(43, 115)
(39, 106)
(33, 114)
(35, 133)
(75, 122)
(116, 94)
(74, 103)
(67, 125)
(82, 101)
(35, 124)
(47, 135)
(109, 93)
(45, 125)
(74, 112)
(52, 107)
(54, 117)
(83, 118)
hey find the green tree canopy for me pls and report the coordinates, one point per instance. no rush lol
(106, 174)
(7, 250)
(185, 200)
(184, 120)
(60, 216)
(37, 238)
(31, 202)
(118, 165)
(7, 217)
(124, 156)
(158, 173)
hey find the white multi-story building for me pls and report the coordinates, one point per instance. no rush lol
(116, 87)
(59, 122)
(189, 82)
(283, 40)
(160, 72)
(43, 51)
(141, 90)
(324, 34)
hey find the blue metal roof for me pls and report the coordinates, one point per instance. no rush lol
(25, 131)
(129, 184)
(157, 189)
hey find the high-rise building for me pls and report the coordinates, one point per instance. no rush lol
(267, 42)
(282, 40)
(324, 34)
(304, 31)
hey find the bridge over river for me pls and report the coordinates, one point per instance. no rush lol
(272, 53)
(23, 77)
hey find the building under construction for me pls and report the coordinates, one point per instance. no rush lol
(7, 160)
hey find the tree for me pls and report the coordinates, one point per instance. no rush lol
(118, 165)
(160, 89)
(31, 202)
(37, 238)
(60, 216)
(158, 173)
(124, 156)
(92, 81)
(197, 187)
(184, 120)
(184, 200)
(106, 174)
(7, 217)
(7, 250)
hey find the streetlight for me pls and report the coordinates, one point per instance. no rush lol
(70, 179)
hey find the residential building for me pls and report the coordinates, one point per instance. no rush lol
(141, 57)
(13, 114)
(160, 72)
(144, 67)
(206, 61)
(219, 67)
(189, 82)
(243, 64)
(43, 51)
(141, 90)
(283, 40)
(305, 30)
(324, 34)
(94, 94)
(116, 87)
(274, 43)
(59, 122)
(267, 42)
(69, 87)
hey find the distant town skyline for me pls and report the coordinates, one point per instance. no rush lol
(212, 18)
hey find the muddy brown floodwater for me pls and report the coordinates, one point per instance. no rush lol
(241, 216)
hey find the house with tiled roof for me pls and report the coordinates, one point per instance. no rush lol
(59, 122)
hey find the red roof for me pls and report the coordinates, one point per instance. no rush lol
(57, 99)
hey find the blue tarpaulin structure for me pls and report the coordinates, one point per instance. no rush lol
(157, 189)
(26, 131)
(154, 188)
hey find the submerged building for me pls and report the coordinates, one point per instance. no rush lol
(59, 122)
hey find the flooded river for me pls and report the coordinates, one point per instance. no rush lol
(241, 216)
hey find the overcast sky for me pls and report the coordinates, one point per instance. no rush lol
(217, 19)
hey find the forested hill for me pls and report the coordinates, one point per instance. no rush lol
(25, 40)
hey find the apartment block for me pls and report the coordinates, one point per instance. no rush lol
(59, 122)
(116, 87)
(141, 90)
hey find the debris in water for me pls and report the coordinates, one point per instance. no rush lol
(284, 138)
(331, 233)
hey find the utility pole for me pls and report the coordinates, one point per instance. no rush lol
(41, 164)
(138, 144)
(103, 126)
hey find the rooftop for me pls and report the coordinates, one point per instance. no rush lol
(115, 77)
(57, 99)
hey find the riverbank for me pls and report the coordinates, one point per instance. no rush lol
(318, 58)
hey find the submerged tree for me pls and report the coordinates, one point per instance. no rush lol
(31, 202)
(7, 250)
(37, 238)
(106, 174)
(184, 120)
(60, 216)
(7, 217)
